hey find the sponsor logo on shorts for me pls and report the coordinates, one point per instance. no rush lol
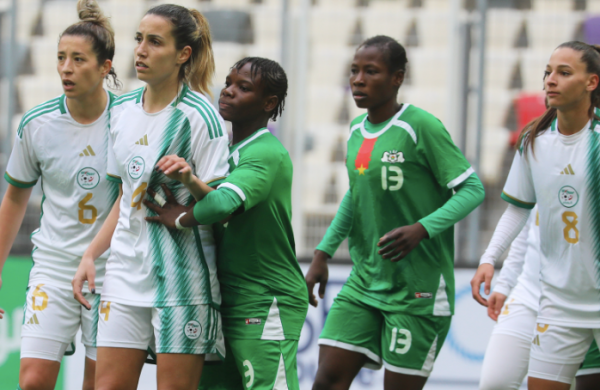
(88, 178)
(568, 196)
(136, 167)
(253, 321)
(192, 330)
(424, 295)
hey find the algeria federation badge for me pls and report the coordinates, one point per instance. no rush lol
(568, 196)
(88, 178)
(136, 167)
(192, 330)
(393, 156)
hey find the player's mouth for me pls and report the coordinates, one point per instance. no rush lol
(223, 105)
(139, 65)
(68, 85)
(358, 95)
(552, 93)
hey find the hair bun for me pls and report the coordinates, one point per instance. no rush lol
(89, 11)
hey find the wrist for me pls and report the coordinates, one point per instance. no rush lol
(320, 255)
(422, 230)
(178, 222)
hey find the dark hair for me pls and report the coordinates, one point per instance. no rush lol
(94, 26)
(273, 79)
(590, 56)
(190, 28)
(394, 53)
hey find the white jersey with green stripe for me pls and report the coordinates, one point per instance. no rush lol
(150, 265)
(70, 158)
(562, 177)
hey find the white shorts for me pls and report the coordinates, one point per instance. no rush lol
(193, 330)
(557, 351)
(51, 313)
(516, 320)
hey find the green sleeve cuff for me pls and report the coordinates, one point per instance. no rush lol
(18, 183)
(469, 194)
(339, 228)
(113, 178)
(216, 206)
(517, 202)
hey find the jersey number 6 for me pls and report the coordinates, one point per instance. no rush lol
(83, 207)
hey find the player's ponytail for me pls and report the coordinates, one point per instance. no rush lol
(95, 27)
(590, 56)
(190, 28)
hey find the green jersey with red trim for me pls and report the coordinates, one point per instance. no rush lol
(400, 171)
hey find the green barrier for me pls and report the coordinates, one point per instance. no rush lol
(12, 298)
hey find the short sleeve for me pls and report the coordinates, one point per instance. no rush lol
(23, 169)
(112, 168)
(253, 178)
(209, 156)
(446, 161)
(519, 189)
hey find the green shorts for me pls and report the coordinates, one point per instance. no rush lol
(400, 342)
(254, 364)
(591, 363)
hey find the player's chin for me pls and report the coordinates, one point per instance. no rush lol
(361, 101)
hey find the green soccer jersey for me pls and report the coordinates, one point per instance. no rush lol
(263, 289)
(401, 171)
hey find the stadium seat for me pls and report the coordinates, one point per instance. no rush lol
(502, 27)
(428, 67)
(553, 5)
(43, 57)
(549, 29)
(330, 66)
(323, 104)
(496, 105)
(379, 21)
(332, 27)
(591, 30)
(57, 15)
(226, 54)
(494, 143)
(123, 61)
(533, 65)
(35, 90)
(267, 26)
(389, 6)
(125, 17)
(432, 29)
(528, 106)
(500, 65)
(26, 18)
(433, 100)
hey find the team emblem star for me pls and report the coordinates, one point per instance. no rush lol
(361, 170)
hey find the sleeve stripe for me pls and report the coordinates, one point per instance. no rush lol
(113, 178)
(18, 183)
(517, 202)
(211, 113)
(235, 188)
(461, 178)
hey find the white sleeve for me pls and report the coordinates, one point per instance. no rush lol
(209, 156)
(509, 226)
(112, 168)
(519, 189)
(513, 265)
(23, 169)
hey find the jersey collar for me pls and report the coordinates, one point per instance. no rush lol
(391, 123)
(235, 149)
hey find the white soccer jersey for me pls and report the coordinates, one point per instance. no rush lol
(71, 160)
(521, 269)
(563, 178)
(150, 265)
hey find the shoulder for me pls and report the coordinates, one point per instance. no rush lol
(356, 122)
(265, 147)
(418, 118)
(120, 102)
(41, 114)
(199, 110)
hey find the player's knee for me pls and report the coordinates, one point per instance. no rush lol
(35, 381)
(88, 384)
(325, 381)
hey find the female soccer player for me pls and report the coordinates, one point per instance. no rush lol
(398, 215)
(64, 142)
(563, 140)
(264, 294)
(160, 287)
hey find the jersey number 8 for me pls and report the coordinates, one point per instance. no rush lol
(571, 226)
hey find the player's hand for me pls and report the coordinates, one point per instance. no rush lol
(85, 271)
(495, 303)
(176, 168)
(484, 274)
(317, 273)
(169, 212)
(401, 241)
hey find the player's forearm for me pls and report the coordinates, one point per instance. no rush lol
(469, 195)
(339, 228)
(101, 243)
(509, 226)
(513, 265)
(215, 207)
(198, 188)
(12, 212)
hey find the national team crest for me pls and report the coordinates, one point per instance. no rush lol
(136, 167)
(568, 196)
(192, 330)
(393, 156)
(88, 178)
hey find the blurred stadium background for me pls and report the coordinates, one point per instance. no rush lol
(475, 64)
